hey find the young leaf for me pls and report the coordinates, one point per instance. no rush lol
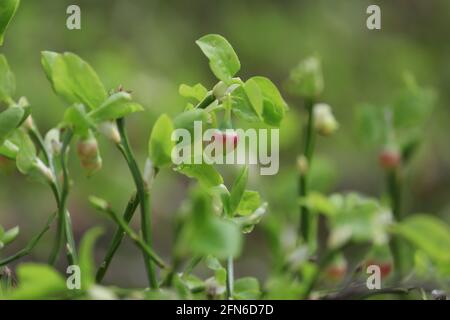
(242, 106)
(116, 106)
(206, 174)
(371, 124)
(79, 120)
(427, 233)
(87, 265)
(160, 144)
(254, 94)
(198, 91)
(249, 203)
(223, 60)
(7, 80)
(27, 154)
(186, 119)
(10, 235)
(238, 189)
(274, 106)
(10, 119)
(7, 10)
(38, 281)
(246, 289)
(73, 79)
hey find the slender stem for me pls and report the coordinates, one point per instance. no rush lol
(117, 238)
(192, 264)
(230, 278)
(49, 160)
(147, 250)
(306, 221)
(30, 246)
(394, 191)
(144, 199)
(64, 215)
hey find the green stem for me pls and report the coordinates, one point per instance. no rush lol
(144, 199)
(64, 215)
(306, 220)
(230, 278)
(30, 246)
(394, 191)
(117, 238)
(146, 249)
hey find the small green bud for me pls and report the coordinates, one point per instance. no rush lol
(110, 130)
(219, 90)
(302, 165)
(306, 80)
(52, 142)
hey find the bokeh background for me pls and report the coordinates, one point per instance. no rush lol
(148, 47)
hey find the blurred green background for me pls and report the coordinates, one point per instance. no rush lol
(148, 47)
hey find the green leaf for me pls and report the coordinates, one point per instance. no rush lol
(207, 234)
(10, 235)
(87, 265)
(27, 154)
(73, 79)
(186, 119)
(246, 289)
(429, 234)
(213, 263)
(160, 144)
(254, 94)
(371, 124)
(306, 79)
(79, 120)
(274, 106)
(318, 203)
(10, 119)
(223, 60)
(8, 149)
(116, 106)
(198, 91)
(37, 281)
(238, 189)
(7, 10)
(357, 219)
(249, 203)
(7, 80)
(242, 106)
(206, 174)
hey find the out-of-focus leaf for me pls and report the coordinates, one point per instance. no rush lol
(429, 234)
(359, 220)
(223, 60)
(206, 174)
(322, 174)
(87, 264)
(37, 281)
(7, 79)
(283, 287)
(274, 106)
(10, 235)
(7, 10)
(73, 79)
(306, 79)
(206, 234)
(115, 106)
(318, 203)
(160, 144)
(371, 125)
(238, 189)
(198, 91)
(246, 289)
